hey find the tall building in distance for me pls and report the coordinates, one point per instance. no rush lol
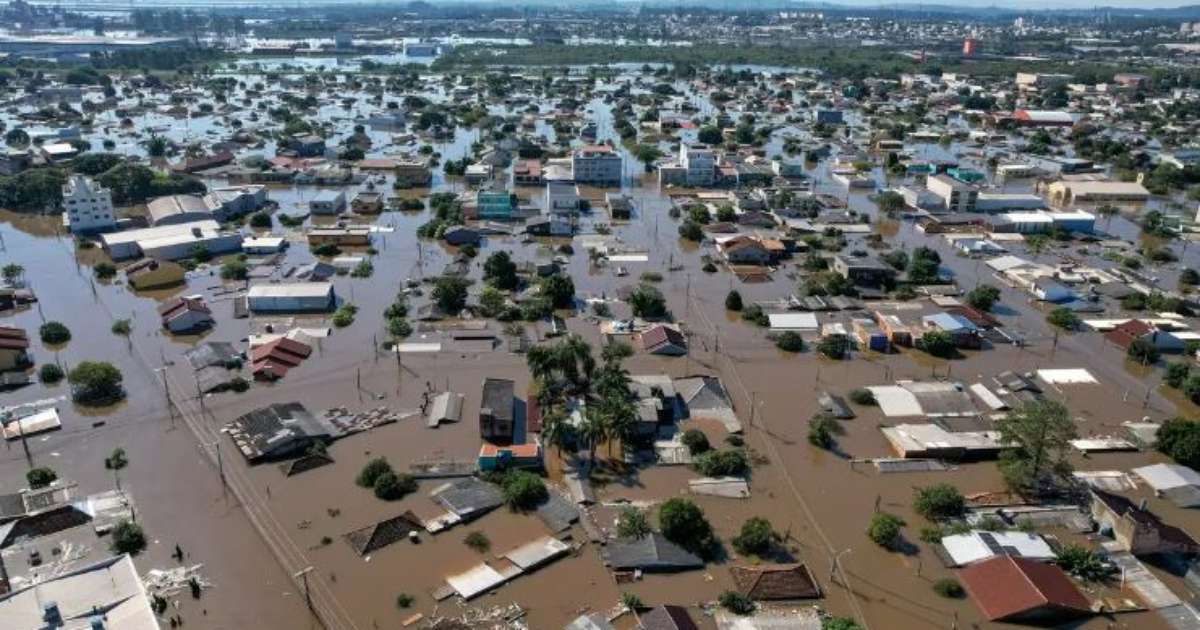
(970, 47)
(87, 206)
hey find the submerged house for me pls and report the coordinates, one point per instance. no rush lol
(1136, 529)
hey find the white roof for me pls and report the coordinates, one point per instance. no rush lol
(44, 420)
(1076, 215)
(476, 580)
(111, 585)
(793, 321)
(1029, 217)
(1167, 476)
(293, 289)
(1068, 376)
(207, 227)
(896, 401)
(263, 241)
(979, 545)
(537, 552)
(1004, 263)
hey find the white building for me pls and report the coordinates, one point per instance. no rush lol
(87, 206)
(104, 594)
(956, 196)
(596, 164)
(171, 242)
(700, 164)
(291, 298)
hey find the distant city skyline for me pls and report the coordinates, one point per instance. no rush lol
(1018, 5)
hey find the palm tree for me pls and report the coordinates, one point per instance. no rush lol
(594, 430)
(115, 463)
(555, 430)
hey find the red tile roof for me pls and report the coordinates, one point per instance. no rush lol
(659, 336)
(1009, 588)
(282, 350)
(1124, 334)
(173, 308)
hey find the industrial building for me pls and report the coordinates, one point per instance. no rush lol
(291, 298)
(171, 242)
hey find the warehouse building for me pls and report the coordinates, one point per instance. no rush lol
(291, 298)
(171, 242)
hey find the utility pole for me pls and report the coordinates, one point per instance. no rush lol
(303, 575)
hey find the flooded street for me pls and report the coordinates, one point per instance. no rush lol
(186, 476)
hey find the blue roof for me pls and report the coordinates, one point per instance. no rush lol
(949, 322)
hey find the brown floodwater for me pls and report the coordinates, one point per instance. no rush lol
(818, 498)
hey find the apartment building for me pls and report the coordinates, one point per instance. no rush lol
(87, 206)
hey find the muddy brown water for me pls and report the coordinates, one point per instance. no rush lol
(816, 497)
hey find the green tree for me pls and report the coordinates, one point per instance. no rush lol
(691, 231)
(500, 271)
(862, 396)
(50, 373)
(1064, 318)
(790, 341)
(105, 270)
(710, 135)
(834, 346)
(890, 202)
(632, 523)
(695, 441)
(648, 302)
(17, 138)
(390, 486)
(234, 269)
(733, 300)
(736, 603)
(884, 529)
(492, 301)
(923, 266)
(450, 294)
(1040, 433)
(938, 343)
(683, 523)
(371, 471)
(1179, 439)
(54, 333)
(12, 273)
(477, 541)
(96, 383)
(1083, 563)
(560, 289)
(756, 537)
(939, 501)
(722, 463)
(260, 221)
(116, 462)
(40, 477)
(128, 537)
(983, 297)
(839, 623)
(523, 490)
(1143, 351)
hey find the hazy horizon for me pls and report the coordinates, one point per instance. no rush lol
(1020, 5)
